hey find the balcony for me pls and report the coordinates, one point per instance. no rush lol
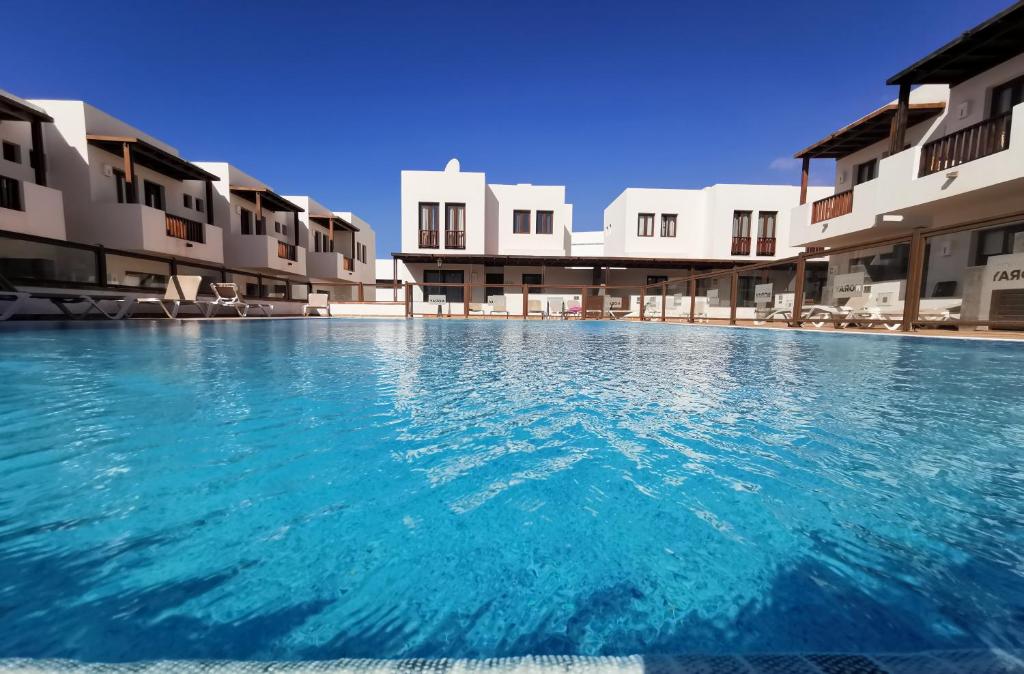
(263, 252)
(766, 245)
(453, 239)
(329, 265)
(183, 228)
(347, 264)
(428, 238)
(286, 251)
(966, 145)
(832, 207)
(43, 213)
(741, 245)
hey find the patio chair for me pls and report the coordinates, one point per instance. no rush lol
(226, 295)
(573, 308)
(317, 303)
(499, 305)
(476, 308)
(535, 307)
(556, 306)
(181, 291)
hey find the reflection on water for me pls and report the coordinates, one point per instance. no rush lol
(321, 489)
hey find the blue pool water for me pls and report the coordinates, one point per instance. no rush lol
(322, 489)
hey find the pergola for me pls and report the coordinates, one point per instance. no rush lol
(14, 109)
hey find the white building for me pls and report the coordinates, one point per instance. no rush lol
(340, 247)
(127, 190)
(27, 204)
(945, 154)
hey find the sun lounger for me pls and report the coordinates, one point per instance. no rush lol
(573, 308)
(556, 306)
(9, 293)
(317, 303)
(181, 291)
(226, 295)
(60, 299)
(535, 307)
(498, 305)
(476, 308)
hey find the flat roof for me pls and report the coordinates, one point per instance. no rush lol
(152, 157)
(339, 222)
(568, 261)
(986, 45)
(867, 131)
(268, 198)
(14, 109)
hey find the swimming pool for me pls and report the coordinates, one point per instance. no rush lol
(322, 489)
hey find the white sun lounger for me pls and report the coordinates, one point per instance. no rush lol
(499, 305)
(181, 291)
(317, 303)
(226, 295)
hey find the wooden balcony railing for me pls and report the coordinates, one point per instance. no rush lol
(814, 249)
(741, 245)
(346, 263)
(832, 207)
(286, 251)
(970, 143)
(428, 238)
(766, 245)
(183, 228)
(454, 239)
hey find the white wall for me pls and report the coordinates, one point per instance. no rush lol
(504, 200)
(441, 187)
(587, 244)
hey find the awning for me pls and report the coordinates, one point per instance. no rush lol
(152, 157)
(14, 109)
(986, 45)
(867, 131)
(268, 198)
(339, 222)
(567, 261)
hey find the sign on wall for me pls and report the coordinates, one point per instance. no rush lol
(763, 293)
(1006, 271)
(785, 300)
(848, 285)
(712, 296)
(437, 299)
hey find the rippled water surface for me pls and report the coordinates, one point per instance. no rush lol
(320, 489)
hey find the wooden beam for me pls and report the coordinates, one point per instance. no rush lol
(38, 152)
(804, 173)
(209, 202)
(915, 279)
(798, 292)
(259, 210)
(129, 173)
(897, 136)
(664, 297)
(295, 223)
(394, 279)
(734, 282)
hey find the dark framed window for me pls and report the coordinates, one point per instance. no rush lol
(545, 222)
(520, 222)
(120, 186)
(284, 229)
(1005, 96)
(451, 293)
(645, 224)
(668, 224)
(316, 242)
(428, 216)
(455, 217)
(187, 200)
(246, 219)
(200, 205)
(1001, 241)
(766, 224)
(741, 224)
(277, 227)
(866, 171)
(533, 279)
(10, 193)
(651, 280)
(12, 152)
(497, 279)
(154, 194)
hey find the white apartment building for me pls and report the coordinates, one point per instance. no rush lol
(27, 204)
(949, 152)
(340, 247)
(127, 190)
(262, 230)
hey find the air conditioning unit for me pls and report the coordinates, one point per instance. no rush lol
(108, 170)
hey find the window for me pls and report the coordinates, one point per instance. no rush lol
(766, 224)
(10, 193)
(651, 280)
(12, 152)
(154, 194)
(121, 187)
(187, 199)
(496, 279)
(284, 229)
(668, 224)
(545, 222)
(277, 226)
(520, 222)
(1005, 96)
(1002, 241)
(451, 293)
(741, 224)
(533, 279)
(428, 217)
(866, 171)
(200, 205)
(364, 252)
(316, 242)
(455, 217)
(246, 217)
(645, 224)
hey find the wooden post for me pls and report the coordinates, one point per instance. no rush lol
(408, 300)
(465, 299)
(38, 152)
(804, 173)
(394, 277)
(129, 174)
(898, 131)
(734, 282)
(209, 202)
(664, 297)
(330, 232)
(693, 297)
(360, 291)
(642, 299)
(295, 224)
(526, 301)
(798, 292)
(915, 278)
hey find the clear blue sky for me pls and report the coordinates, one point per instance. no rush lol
(333, 99)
